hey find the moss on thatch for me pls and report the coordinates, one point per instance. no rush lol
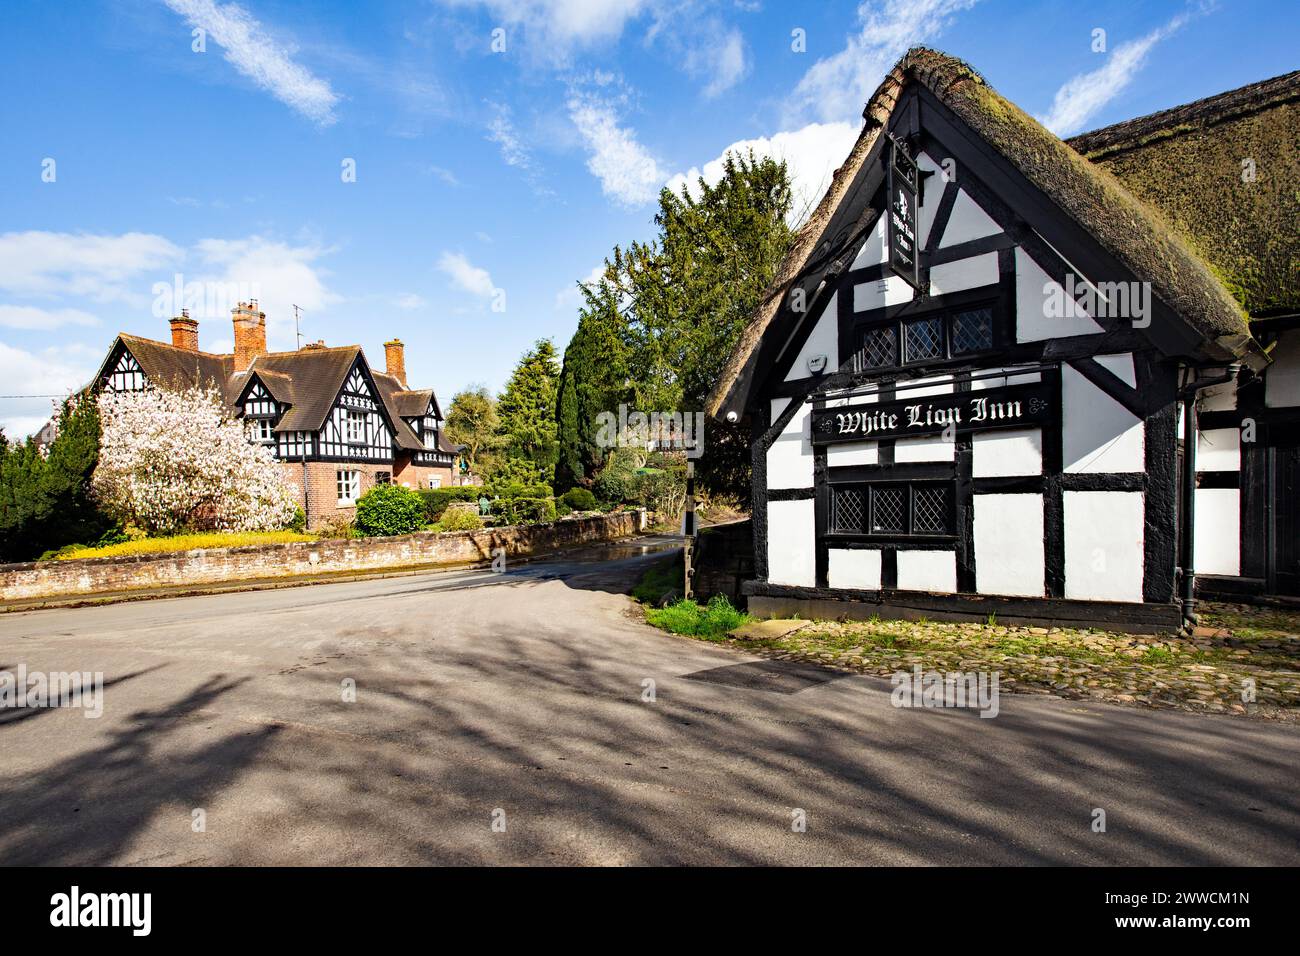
(1191, 168)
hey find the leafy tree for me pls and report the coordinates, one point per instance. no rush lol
(526, 409)
(174, 461)
(44, 497)
(684, 298)
(472, 422)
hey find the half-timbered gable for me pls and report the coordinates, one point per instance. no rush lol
(967, 380)
(124, 373)
(357, 427)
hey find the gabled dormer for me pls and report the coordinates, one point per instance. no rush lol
(260, 411)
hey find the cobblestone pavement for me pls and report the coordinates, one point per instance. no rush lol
(1241, 660)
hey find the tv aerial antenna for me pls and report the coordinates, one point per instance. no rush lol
(297, 328)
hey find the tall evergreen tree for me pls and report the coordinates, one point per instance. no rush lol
(594, 379)
(526, 409)
(45, 498)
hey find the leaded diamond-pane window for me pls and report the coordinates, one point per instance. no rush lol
(923, 339)
(848, 509)
(894, 509)
(888, 509)
(972, 331)
(934, 337)
(879, 348)
(930, 509)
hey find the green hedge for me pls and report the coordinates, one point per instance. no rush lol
(389, 509)
(436, 500)
(524, 510)
(580, 499)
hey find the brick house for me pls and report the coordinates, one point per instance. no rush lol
(337, 426)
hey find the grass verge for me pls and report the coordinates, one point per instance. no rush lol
(710, 621)
(660, 578)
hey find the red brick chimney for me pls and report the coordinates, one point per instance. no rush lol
(185, 332)
(250, 334)
(395, 360)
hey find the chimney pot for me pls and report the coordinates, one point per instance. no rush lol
(185, 332)
(395, 360)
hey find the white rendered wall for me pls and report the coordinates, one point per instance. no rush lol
(873, 252)
(1218, 531)
(933, 193)
(1104, 539)
(927, 571)
(1010, 452)
(967, 221)
(1282, 378)
(852, 453)
(1032, 324)
(823, 340)
(1098, 434)
(790, 458)
(880, 293)
(1218, 398)
(791, 534)
(853, 568)
(969, 273)
(1006, 453)
(1009, 545)
(1218, 449)
(924, 449)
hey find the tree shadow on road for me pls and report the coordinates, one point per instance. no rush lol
(113, 791)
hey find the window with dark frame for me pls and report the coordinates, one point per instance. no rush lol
(902, 509)
(936, 337)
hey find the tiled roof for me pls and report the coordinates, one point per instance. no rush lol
(307, 381)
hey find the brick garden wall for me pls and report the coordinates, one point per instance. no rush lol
(90, 576)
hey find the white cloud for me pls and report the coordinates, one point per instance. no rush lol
(410, 301)
(251, 51)
(49, 372)
(440, 172)
(102, 268)
(570, 298)
(836, 88)
(501, 130)
(465, 275)
(30, 317)
(555, 27)
(281, 274)
(811, 154)
(728, 64)
(628, 173)
(1080, 99)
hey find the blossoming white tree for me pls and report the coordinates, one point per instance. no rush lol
(173, 461)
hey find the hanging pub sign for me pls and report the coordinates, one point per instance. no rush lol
(1013, 406)
(904, 179)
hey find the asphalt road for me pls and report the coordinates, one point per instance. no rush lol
(519, 698)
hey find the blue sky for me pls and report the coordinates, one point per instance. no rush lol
(488, 182)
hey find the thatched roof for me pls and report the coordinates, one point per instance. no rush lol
(1135, 234)
(1188, 163)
